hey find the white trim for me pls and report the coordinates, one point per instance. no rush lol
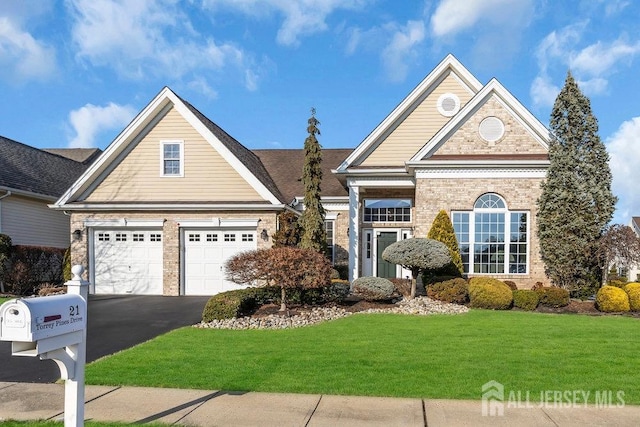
(123, 222)
(219, 223)
(483, 173)
(511, 104)
(335, 207)
(405, 182)
(165, 207)
(180, 159)
(456, 106)
(331, 216)
(354, 231)
(427, 85)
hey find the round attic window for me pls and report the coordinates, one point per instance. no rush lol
(448, 104)
(491, 129)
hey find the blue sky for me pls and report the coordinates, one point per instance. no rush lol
(74, 72)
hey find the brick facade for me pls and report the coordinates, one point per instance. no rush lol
(460, 194)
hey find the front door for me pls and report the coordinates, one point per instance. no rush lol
(384, 268)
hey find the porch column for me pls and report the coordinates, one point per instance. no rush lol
(354, 231)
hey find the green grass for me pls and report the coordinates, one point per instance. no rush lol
(4, 299)
(393, 355)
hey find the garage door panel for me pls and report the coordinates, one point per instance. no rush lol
(205, 252)
(128, 262)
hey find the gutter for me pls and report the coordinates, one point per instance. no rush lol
(7, 194)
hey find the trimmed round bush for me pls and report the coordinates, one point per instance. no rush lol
(612, 299)
(373, 288)
(230, 304)
(489, 293)
(553, 296)
(454, 291)
(526, 299)
(633, 291)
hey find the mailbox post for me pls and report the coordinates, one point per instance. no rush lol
(53, 327)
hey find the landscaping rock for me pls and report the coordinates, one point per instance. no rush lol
(416, 306)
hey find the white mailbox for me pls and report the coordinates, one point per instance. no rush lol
(38, 325)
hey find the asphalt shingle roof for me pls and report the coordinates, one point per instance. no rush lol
(32, 170)
(285, 167)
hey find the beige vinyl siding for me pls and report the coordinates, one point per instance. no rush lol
(30, 222)
(207, 175)
(418, 127)
(517, 138)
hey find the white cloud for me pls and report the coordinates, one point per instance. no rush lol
(624, 151)
(401, 48)
(88, 121)
(454, 16)
(301, 17)
(543, 92)
(599, 58)
(22, 57)
(144, 38)
(591, 65)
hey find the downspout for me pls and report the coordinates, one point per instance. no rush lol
(7, 194)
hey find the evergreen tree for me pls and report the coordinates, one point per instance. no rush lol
(314, 235)
(576, 203)
(288, 233)
(442, 231)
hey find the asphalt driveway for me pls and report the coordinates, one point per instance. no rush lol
(115, 322)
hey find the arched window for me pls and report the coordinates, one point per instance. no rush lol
(492, 239)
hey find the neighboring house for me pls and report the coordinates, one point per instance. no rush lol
(634, 271)
(30, 180)
(174, 195)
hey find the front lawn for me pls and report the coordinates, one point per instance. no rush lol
(4, 299)
(394, 355)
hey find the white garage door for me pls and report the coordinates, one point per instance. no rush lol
(128, 262)
(205, 252)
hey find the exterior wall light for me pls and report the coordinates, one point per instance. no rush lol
(264, 234)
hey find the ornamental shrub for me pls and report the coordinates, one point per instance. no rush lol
(552, 296)
(403, 286)
(526, 299)
(511, 284)
(486, 292)
(287, 267)
(611, 299)
(633, 291)
(337, 291)
(373, 288)
(454, 291)
(230, 304)
(418, 255)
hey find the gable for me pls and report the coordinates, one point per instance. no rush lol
(467, 138)
(419, 125)
(207, 177)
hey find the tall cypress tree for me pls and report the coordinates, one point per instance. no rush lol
(442, 231)
(576, 203)
(314, 235)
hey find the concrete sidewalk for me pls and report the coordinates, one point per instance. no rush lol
(28, 401)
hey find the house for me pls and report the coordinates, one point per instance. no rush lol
(174, 195)
(30, 180)
(634, 271)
